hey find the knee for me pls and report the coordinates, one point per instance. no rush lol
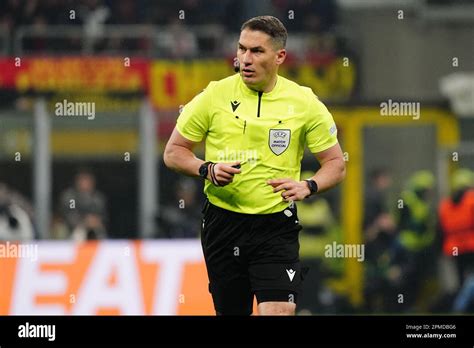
(276, 308)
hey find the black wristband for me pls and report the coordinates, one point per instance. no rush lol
(211, 171)
(213, 176)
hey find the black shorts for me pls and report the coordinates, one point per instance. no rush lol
(249, 255)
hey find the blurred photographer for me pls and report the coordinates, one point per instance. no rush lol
(83, 209)
(15, 224)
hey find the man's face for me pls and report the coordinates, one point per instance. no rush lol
(384, 182)
(258, 58)
(85, 183)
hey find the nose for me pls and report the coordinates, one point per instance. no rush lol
(247, 58)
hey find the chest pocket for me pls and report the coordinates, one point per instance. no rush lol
(229, 129)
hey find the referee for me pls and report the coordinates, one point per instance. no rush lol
(255, 125)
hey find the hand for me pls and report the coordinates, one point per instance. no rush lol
(223, 173)
(292, 190)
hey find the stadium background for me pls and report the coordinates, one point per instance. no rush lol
(138, 62)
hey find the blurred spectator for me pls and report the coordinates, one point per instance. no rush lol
(15, 224)
(376, 202)
(94, 14)
(182, 42)
(83, 208)
(416, 226)
(11, 12)
(313, 16)
(51, 12)
(195, 12)
(181, 218)
(456, 221)
(124, 12)
(380, 241)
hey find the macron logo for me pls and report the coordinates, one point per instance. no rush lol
(235, 104)
(291, 274)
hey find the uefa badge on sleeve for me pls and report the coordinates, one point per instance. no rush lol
(278, 140)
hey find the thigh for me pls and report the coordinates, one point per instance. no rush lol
(275, 271)
(277, 282)
(274, 238)
(222, 238)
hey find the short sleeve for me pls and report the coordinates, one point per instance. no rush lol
(194, 121)
(321, 131)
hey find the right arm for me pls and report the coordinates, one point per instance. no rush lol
(179, 156)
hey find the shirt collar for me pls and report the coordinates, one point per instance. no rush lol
(251, 92)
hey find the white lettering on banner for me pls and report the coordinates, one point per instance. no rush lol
(102, 279)
(125, 294)
(172, 264)
(31, 281)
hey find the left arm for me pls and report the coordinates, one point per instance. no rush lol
(331, 173)
(333, 168)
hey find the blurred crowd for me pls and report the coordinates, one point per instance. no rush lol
(408, 243)
(413, 246)
(299, 15)
(177, 20)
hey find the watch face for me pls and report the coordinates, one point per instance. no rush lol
(312, 186)
(203, 170)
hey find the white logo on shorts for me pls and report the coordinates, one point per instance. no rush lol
(291, 274)
(278, 140)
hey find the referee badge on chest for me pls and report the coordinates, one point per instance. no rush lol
(278, 140)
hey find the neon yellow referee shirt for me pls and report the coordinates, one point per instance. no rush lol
(267, 132)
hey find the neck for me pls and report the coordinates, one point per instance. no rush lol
(268, 87)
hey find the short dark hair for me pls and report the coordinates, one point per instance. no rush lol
(269, 25)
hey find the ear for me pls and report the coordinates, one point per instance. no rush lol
(281, 55)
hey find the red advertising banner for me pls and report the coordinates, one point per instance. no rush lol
(170, 84)
(75, 74)
(175, 83)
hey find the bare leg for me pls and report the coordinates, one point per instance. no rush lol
(276, 308)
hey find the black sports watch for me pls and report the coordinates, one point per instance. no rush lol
(313, 187)
(204, 169)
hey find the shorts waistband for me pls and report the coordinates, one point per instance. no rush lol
(208, 205)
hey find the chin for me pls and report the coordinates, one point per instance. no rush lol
(250, 81)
